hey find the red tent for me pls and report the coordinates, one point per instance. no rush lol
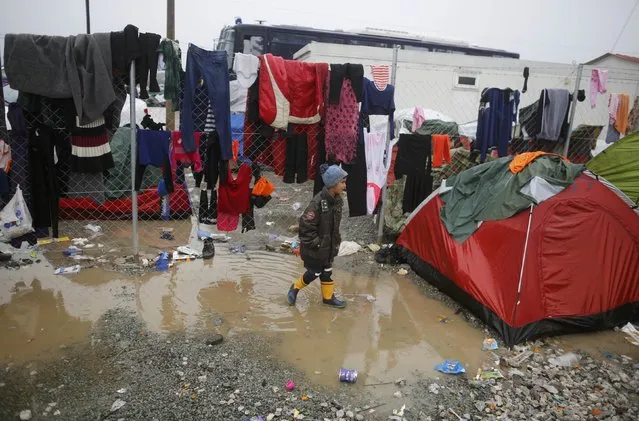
(569, 264)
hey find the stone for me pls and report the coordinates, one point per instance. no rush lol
(25, 415)
(398, 394)
(359, 417)
(214, 339)
(340, 413)
(550, 388)
(480, 405)
(270, 417)
(350, 414)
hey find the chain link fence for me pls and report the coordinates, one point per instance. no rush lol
(95, 206)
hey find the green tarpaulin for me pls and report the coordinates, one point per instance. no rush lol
(619, 164)
(490, 191)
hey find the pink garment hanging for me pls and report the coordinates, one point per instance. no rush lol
(613, 105)
(418, 118)
(598, 85)
(341, 125)
(178, 154)
(381, 76)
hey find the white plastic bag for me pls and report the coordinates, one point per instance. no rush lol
(346, 248)
(15, 219)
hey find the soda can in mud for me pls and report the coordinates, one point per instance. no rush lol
(347, 376)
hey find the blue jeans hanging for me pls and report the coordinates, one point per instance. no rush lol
(210, 66)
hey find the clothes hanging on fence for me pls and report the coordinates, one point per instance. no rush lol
(90, 148)
(211, 66)
(554, 104)
(44, 187)
(173, 73)
(179, 156)
(497, 113)
(441, 150)
(356, 183)
(291, 91)
(296, 164)
(413, 154)
(246, 67)
(153, 149)
(376, 170)
(376, 102)
(381, 76)
(342, 122)
(341, 72)
(598, 85)
(414, 161)
(125, 47)
(19, 138)
(146, 64)
(418, 118)
(623, 108)
(612, 135)
(633, 117)
(234, 195)
(63, 67)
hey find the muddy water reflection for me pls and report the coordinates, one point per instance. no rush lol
(389, 337)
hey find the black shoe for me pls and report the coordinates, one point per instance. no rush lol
(208, 251)
(334, 302)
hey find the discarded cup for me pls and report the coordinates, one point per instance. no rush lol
(450, 367)
(347, 375)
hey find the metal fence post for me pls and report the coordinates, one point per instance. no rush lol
(573, 108)
(134, 193)
(388, 153)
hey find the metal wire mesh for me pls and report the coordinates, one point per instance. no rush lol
(97, 205)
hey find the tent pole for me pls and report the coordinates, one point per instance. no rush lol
(523, 262)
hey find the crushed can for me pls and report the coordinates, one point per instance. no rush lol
(347, 375)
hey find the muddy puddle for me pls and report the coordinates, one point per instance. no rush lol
(389, 329)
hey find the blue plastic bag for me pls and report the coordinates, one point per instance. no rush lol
(450, 367)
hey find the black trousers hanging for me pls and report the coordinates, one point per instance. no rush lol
(296, 158)
(356, 183)
(146, 65)
(321, 159)
(44, 186)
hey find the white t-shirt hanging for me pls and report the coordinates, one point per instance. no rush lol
(245, 67)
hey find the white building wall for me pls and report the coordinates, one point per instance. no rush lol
(429, 79)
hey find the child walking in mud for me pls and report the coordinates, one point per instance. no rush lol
(320, 237)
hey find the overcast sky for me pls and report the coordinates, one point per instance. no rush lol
(547, 30)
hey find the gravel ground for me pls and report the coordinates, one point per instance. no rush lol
(169, 378)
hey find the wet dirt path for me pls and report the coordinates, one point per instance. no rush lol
(389, 330)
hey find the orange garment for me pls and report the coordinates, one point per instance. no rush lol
(263, 187)
(621, 121)
(521, 161)
(441, 149)
(235, 146)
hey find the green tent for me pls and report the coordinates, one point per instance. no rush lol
(619, 164)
